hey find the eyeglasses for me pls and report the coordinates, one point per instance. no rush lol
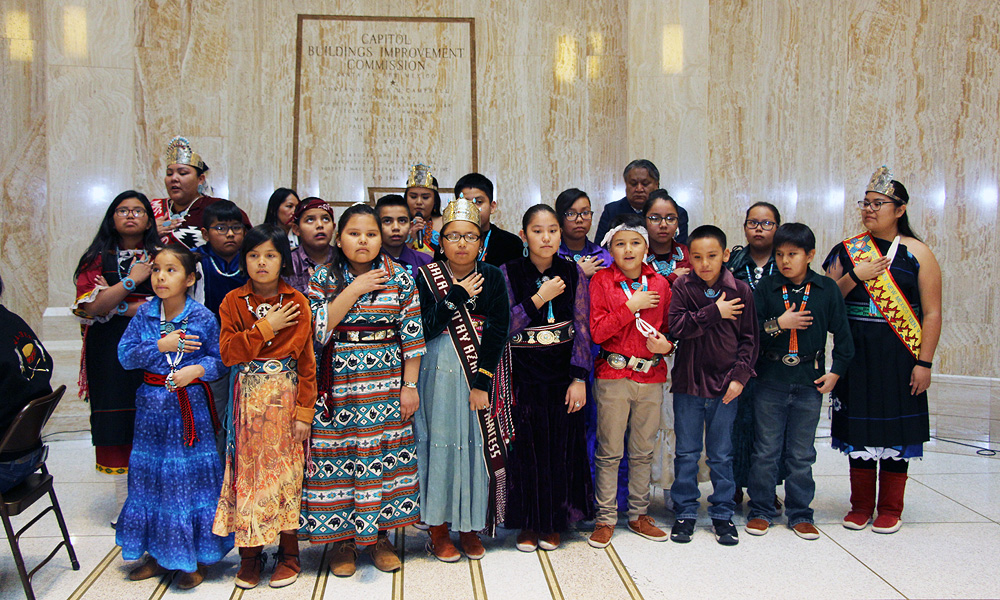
(236, 229)
(472, 238)
(572, 215)
(655, 219)
(874, 206)
(124, 211)
(752, 224)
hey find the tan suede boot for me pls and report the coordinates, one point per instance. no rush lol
(384, 554)
(286, 571)
(251, 564)
(441, 544)
(344, 558)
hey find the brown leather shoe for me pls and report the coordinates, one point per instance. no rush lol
(602, 535)
(384, 554)
(471, 545)
(252, 561)
(549, 541)
(149, 568)
(441, 544)
(344, 558)
(756, 526)
(186, 581)
(806, 531)
(646, 527)
(527, 541)
(287, 567)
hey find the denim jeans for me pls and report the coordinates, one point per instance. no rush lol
(785, 416)
(697, 418)
(17, 470)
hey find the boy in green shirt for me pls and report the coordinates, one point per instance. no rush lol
(795, 309)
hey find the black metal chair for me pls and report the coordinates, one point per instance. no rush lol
(25, 433)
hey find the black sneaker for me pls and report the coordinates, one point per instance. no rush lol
(725, 532)
(682, 531)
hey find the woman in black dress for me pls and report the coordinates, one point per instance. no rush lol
(880, 416)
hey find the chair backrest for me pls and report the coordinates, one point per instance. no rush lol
(25, 433)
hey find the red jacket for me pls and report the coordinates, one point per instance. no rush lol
(613, 326)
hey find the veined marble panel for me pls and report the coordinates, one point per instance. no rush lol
(23, 159)
(90, 114)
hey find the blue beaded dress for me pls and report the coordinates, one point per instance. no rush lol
(173, 489)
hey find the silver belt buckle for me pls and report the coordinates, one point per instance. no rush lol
(272, 367)
(617, 361)
(790, 359)
(546, 337)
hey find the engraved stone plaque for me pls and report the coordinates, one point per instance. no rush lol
(374, 95)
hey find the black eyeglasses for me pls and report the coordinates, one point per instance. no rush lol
(572, 215)
(655, 219)
(236, 229)
(875, 206)
(754, 224)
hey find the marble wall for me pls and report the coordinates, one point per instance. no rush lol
(790, 101)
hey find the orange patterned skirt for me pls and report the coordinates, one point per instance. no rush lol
(262, 487)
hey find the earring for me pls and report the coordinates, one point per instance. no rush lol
(525, 249)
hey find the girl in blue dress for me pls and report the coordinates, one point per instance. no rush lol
(174, 470)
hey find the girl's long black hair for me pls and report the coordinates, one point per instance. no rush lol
(904, 222)
(339, 262)
(107, 237)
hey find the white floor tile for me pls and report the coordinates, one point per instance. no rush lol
(57, 579)
(939, 560)
(977, 491)
(777, 565)
(502, 559)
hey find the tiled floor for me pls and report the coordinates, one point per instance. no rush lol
(947, 548)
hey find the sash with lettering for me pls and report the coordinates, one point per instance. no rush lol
(466, 340)
(885, 293)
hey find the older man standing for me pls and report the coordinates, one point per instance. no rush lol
(641, 178)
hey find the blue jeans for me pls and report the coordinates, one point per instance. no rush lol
(695, 418)
(786, 416)
(17, 470)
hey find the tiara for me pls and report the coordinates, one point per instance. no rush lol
(460, 209)
(179, 152)
(881, 183)
(420, 176)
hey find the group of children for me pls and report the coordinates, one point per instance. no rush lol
(396, 377)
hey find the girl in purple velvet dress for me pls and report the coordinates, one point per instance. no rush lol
(548, 475)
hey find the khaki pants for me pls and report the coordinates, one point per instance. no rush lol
(621, 404)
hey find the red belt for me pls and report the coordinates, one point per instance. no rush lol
(190, 435)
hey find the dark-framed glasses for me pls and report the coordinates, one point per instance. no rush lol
(223, 229)
(472, 238)
(572, 215)
(125, 212)
(754, 224)
(655, 219)
(875, 205)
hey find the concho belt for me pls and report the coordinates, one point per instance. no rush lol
(549, 335)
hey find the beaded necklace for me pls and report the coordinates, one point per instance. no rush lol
(792, 358)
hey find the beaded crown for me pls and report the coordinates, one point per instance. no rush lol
(179, 152)
(420, 176)
(460, 209)
(881, 183)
